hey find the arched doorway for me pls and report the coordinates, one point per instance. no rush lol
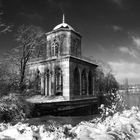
(90, 83)
(76, 82)
(58, 81)
(84, 82)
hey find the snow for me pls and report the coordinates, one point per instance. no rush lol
(45, 99)
(125, 125)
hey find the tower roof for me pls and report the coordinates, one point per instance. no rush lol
(63, 25)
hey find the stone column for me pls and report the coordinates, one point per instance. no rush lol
(46, 88)
(47, 84)
(50, 81)
(93, 85)
(80, 80)
(87, 83)
(66, 79)
(42, 84)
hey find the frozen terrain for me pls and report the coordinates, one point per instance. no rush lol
(120, 126)
(46, 99)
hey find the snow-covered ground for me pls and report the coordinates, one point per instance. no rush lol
(45, 99)
(120, 126)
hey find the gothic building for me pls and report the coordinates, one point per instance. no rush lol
(64, 71)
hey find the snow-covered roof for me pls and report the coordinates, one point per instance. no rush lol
(63, 25)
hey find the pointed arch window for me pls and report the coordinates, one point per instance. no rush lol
(76, 82)
(58, 81)
(90, 83)
(55, 48)
(84, 82)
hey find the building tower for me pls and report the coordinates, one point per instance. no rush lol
(63, 40)
(64, 71)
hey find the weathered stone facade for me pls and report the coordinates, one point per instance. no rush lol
(64, 71)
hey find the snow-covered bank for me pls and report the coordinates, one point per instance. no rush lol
(120, 126)
(46, 99)
(31, 132)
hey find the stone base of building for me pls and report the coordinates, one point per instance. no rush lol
(79, 107)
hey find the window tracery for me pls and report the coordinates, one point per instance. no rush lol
(55, 47)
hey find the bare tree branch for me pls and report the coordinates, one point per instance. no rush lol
(29, 39)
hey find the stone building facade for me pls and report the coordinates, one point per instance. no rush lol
(64, 71)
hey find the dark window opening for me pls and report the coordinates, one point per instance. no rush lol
(84, 83)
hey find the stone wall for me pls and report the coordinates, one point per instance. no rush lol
(68, 43)
(50, 66)
(81, 65)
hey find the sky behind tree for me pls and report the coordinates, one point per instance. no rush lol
(110, 29)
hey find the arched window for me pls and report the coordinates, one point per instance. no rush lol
(58, 81)
(38, 80)
(76, 82)
(90, 83)
(84, 83)
(55, 48)
(47, 78)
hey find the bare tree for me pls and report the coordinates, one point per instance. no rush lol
(30, 40)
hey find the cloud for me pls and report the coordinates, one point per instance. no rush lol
(136, 41)
(118, 2)
(62, 4)
(117, 28)
(123, 70)
(1, 3)
(130, 51)
(122, 4)
(32, 16)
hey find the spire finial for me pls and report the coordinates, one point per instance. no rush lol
(63, 20)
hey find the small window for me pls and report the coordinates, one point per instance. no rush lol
(53, 52)
(55, 48)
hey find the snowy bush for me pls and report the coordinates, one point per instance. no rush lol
(112, 103)
(120, 126)
(29, 132)
(13, 107)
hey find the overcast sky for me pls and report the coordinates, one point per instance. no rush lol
(110, 28)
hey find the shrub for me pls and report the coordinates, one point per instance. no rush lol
(13, 107)
(111, 104)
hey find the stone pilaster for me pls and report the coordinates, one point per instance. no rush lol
(50, 77)
(66, 79)
(46, 88)
(52, 83)
(87, 83)
(80, 82)
(42, 85)
(93, 85)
